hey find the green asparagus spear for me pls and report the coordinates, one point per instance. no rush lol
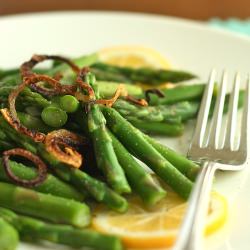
(107, 89)
(52, 208)
(159, 128)
(133, 140)
(185, 166)
(142, 75)
(140, 180)
(52, 185)
(164, 119)
(104, 151)
(34, 98)
(97, 189)
(9, 238)
(226, 105)
(35, 230)
(179, 94)
(175, 113)
(103, 75)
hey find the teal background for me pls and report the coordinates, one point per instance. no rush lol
(236, 25)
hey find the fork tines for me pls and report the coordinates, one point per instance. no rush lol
(209, 148)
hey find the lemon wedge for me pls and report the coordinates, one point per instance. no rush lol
(156, 227)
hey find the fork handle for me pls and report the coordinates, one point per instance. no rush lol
(192, 230)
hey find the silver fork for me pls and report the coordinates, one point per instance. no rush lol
(213, 156)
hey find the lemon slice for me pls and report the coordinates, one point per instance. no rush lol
(133, 56)
(157, 227)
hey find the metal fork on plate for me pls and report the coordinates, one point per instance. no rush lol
(213, 156)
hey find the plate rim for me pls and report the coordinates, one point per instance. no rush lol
(140, 15)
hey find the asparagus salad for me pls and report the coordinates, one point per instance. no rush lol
(79, 166)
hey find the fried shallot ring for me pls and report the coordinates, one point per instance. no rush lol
(40, 165)
(36, 136)
(57, 89)
(157, 92)
(12, 99)
(26, 68)
(33, 79)
(59, 144)
(70, 138)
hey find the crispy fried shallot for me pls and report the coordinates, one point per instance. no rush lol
(36, 81)
(60, 144)
(12, 99)
(40, 165)
(26, 68)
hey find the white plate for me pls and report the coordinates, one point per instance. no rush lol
(188, 45)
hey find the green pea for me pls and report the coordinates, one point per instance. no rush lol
(69, 103)
(54, 117)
